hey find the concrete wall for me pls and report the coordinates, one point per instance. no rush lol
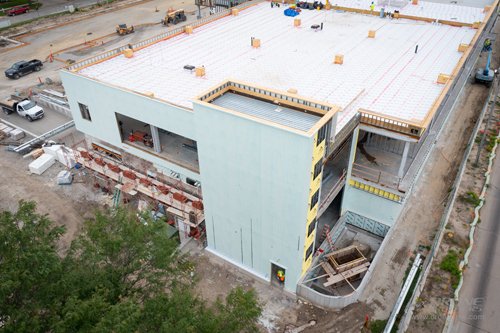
(103, 101)
(370, 205)
(255, 177)
(256, 187)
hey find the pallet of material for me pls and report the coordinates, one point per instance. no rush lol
(337, 278)
(41, 164)
(16, 134)
(346, 258)
(7, 130)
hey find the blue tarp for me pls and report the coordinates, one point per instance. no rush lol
(290, 12)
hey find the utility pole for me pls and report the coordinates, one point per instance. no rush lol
(492, 110)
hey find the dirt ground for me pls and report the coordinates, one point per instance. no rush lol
(425, 206)
(69, 205)
(432, 307)
(282, 312)
(65, 205)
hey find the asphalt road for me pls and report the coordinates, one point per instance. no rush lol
(51, 120)
(39, 45)
(479, 304)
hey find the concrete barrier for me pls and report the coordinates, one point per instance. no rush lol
(4, 23)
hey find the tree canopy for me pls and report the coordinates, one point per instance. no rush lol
(120, 275)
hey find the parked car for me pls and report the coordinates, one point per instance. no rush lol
(23, 106)
(18, 10)
(22, 68)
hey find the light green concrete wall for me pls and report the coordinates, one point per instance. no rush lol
(103, 101)
(255, 187)
(255, 178)
(370, 205)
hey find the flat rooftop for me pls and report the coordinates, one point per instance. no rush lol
(382, 74)
(441, 11)
(268, 111)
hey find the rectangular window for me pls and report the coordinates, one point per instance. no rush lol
(321, 135)
(309, 252)
(84, 110)
(314, 199)
(317, 168)
(311, 227)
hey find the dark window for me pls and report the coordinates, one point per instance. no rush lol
(309, 252)
(314, 199)
(84, 110)
(190, 181)
(317, 168)
(321, 135)
(311, 227)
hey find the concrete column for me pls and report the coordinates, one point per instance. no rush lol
(352, 155)
(403, 159)
(156, 139)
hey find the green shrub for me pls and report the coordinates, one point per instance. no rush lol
(450, 264)
(472, 198)
(377, 326)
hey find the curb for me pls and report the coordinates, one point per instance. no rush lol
(482, 198)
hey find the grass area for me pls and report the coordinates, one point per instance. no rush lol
(472, 198)
(377, 326)
(12, 3)
(450, 264)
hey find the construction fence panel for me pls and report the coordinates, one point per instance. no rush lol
(366, 223)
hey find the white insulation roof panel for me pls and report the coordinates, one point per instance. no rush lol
(382, 74)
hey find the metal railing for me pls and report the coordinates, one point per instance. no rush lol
(267, 93)
(393, 124)
(324, 203)
(51, 133)
(375, 176)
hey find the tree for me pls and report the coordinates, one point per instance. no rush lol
(29, 264)
(122, 274)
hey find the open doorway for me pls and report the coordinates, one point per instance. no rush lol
(278, 275)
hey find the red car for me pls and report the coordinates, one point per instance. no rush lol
(18, 10)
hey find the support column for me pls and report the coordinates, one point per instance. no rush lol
(332, 133)
(156, 139)
(352, 154)
(403, 159)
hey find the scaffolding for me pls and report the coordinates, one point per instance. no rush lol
(180, 203)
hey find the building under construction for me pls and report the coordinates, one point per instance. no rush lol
(291, 137)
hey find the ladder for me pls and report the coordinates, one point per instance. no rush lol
(326, 235)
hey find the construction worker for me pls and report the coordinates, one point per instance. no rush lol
(487, 45)
(281, 276)
(372, 7)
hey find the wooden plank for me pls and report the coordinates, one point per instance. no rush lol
(347, 274)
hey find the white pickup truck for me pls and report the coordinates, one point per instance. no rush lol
(24, 107)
